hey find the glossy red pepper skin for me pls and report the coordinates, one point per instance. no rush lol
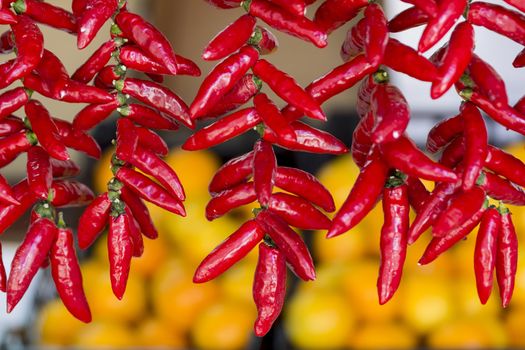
(67, 275)
(225, 4)
(127, 139)
(140, 212)
(147, 117)
(150, 39)
(3, 275)
(519, 61)
(120, 249)
(393, 242)
(7, 44)
(428, 6)
(506, 258)
(332, 14)
(263, 40)
(77, 139)
(269, 287)
(10, 125)
(485, 252)
(517, 4)
(272, 117)
(63, 168)
(283, 21)
(354, 41)
(6, 192)
(363, 196)
(230, 251)
(506, 165)
(94, 64)
(289, 243)
(498, 19)
(500, 189)
(68, 193)
(298, 212)
(39, 171)
(135, 235)
(93, 114)
(46, 13)
(28, 258)
(10, 213)
(230, 199)
(78, 6)
(376, 33)
(409, 18)
(231, 39)
(487, 81)
(106, 78)
(150, 191)
(444, 132)
(361, 140)
(12, 100)
(93, 220)
(232, 173)
(7, 17)
(404, 59)
(12, 146)
(223, 130)
(447, 14)
(476, 144)
(92, 18)
(417, 193)
(134, 58)
(186, 66)
(295, 7)
(152, 141)
(453, 154)
(287, 89)
(264, 167)
(391, 113)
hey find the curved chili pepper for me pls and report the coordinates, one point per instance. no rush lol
(93, 17)
(409, 18)
(225, 4)
(140, 212)
(363, 196)
(289, 243)
(501, 189)
(46, 13)
(10, 213)
(404, 59)
(498, 19)
(67, 275)
(67, 193)
(476, 144)
(93, 220)
(232, 173)
(10, 125)
(120, 249)
(417, 193)
(282, 20)
(295, 7)
(354, 41)
(6, 193)
(150, 39)
(229, 40)
(391, 113)
(93, 114)
(269, 287)
(135, 235)
(487, 81)
(186, 66)
(361, 140)
(152, 141)
(94, 64)
(447, 14)
(12, 100)
(429, 6)
(156, 96)
(519, 61)
(230, 199)
(150, 191)
(272, 117)
(332, 14)
(231, 250)
(7, 17)
(393, 242)
(376, 33)
(506, 257)
(298, 212)
(77, 139)
(221, 79)
(28, 258)
(223, 130)
(13, 145)
(147, 117)
(63, 168)
(134, 58)
(264, 167)
(39, 171)
(444, 132)
(263, 40)
(506, 165)
(454, 152)
(486, 251)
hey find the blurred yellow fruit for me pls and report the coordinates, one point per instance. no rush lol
(468, 300)
(360, 286)
(176, 299)
(347, 247)
(155, 253)
(383, 336)
(469, 333)
(104, 304)
(56, 326)
(226, 325)
(109, 335)
(338, 176)
(236, 283)
(153, 333)
(102, 171)
(319, 319)
(329, 276)
(443, 266)
(371, 228)
(517, 149)
(514, 323)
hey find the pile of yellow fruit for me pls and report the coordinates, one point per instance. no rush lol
(436, 305)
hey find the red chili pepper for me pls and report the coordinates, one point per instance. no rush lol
(223, 130)
(106, 77)
(404, 59)
(506, 257)
(135, 235)
(409, 18)
(152, 141)
(332, 14)
(10, 125)
(46, 13)
(444, 132)
(39, 171)
(150, 190)
(485, 252)
(64, 168)
(453, 154)
(147, 117)
(7, 17)
(225, 4)
(264, 167)
(393, 241)
(78, 6)
(272, 117)
(282, 20)
(120, 249)
(150, 39)
(376, 33)
(298, 212)
(269, 287)
(94, 64)
(295, 7)
(92, 18)
(363, 196)
(3, 276)
(498, 19)
(230, 199)
(404, 155)
(93, 220)
(354, 41)
(506, 165)
(10, 213)
(289, 243)
(364, 93)
(232, 38)
(67, 275)
(417, 193)
(232, 173)
(230, 251)
(476, 144)
(263, 40)
(93, 114)
(12, 100)
(517, 4)
(6, 192)
(186, 66)
(134, 58)
(447, 14)
(391, 113)
(140, 212)
(500, 189)
(156, 96)
(67, 193)
(77, 139)
(361, 140)
(487, 81)
(428, 6)
(12, 146)
(7, 43)
(28, 258)
(519, 61)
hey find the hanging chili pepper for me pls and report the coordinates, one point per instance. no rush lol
(485, 252)
(476, 144)
(93, 17)
(225, 4)
(94, 64)
(444, 132)
(376, 33)
(140, 212)
(12, 100)
(6, 193)
(506, 257)
(107, 77)
(506, 165)
(361, 140)
(13, 145)
(500, 189)
(46, 13)
(428, 6)
(289, 243)
(272, 117)
(7, 17)
(230, 199)
(409, 18)
(417, 193)
(298, 212)
(391, 113)
(68, 193)
(77, 139)
(232, 173)
(354, 41)
(295, 7)
(39, 172)
(152, 141)
(263, 40)
(120, 251)
(517, 4)
(186, 66)
(232, 38)
(10, 213)
(93, 220)
(269, 287)
(78, 6)
(280, 19)
(453, 153)
(264, 167)
(487, 81)
(134, 58)
(10, 125)
(147, 117)
(230, 251)
(135, 235)
(63, 168)
(498, 19)
(93, 114)
(404, 59)
(332, 14)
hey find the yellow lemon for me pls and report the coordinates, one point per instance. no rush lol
(105, 334)
(153, 333)
(383, 336)
(56, 326)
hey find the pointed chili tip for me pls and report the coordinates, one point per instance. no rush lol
(118, 291)
(207, 56)
(484, 295)
(335, 230)
(10, 304)
(259, 329)
(384, 297)
(199, 277)
(82, 40)
(11, 200)
(505, 303)
(84, 315)
(425, 260)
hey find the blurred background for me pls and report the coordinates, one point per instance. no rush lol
(436, 306)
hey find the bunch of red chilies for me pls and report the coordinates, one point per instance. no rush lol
(468, 173)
